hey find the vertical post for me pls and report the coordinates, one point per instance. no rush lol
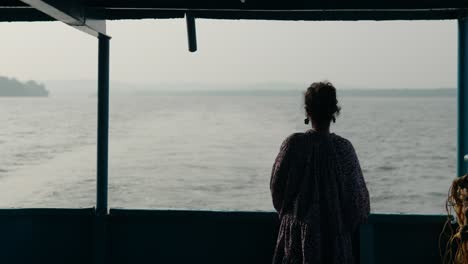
(191, 32)
(100, 226)
(103, 124)
(462, 119)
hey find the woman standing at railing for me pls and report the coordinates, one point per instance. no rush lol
(318, 189)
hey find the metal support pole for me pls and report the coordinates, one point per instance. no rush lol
(462, 148)
(191, 32)
(100, 226)
(103, 124)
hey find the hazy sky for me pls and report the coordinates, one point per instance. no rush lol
(350, 54)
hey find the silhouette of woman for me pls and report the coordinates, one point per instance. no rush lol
(318, 189)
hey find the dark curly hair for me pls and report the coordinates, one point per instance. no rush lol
(321, 104)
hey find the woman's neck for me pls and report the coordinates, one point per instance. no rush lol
(321, 129)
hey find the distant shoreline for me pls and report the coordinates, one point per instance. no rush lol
(11, 87)
(88, 88)
(447, 92)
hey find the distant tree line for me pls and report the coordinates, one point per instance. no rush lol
(13, 87)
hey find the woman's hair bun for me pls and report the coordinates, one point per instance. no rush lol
(320, 102)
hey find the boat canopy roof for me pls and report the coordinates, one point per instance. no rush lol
(26, 10)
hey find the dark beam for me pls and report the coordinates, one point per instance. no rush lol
(12, 3)
(280, 4)
(31, 15)
(23, 15)
(332, 15)
(71, 12)
(333, 10)
(335, 15)
(122, 14)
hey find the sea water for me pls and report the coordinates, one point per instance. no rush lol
(216, 152)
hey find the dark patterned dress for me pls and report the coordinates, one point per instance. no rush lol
(321, 198)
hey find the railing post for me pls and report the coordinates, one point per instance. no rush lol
(103, 124)
(462, 120)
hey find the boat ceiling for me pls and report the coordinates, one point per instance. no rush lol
(15, 10)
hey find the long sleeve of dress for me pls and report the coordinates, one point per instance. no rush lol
(279, 174)
(356, 193)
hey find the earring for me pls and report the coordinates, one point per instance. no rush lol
(306, 121)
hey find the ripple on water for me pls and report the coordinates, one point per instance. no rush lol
(439, 158)
(20, 156)
(437, 194)
(387, 179)
(386, 168)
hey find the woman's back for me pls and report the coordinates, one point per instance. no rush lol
(320, 194)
